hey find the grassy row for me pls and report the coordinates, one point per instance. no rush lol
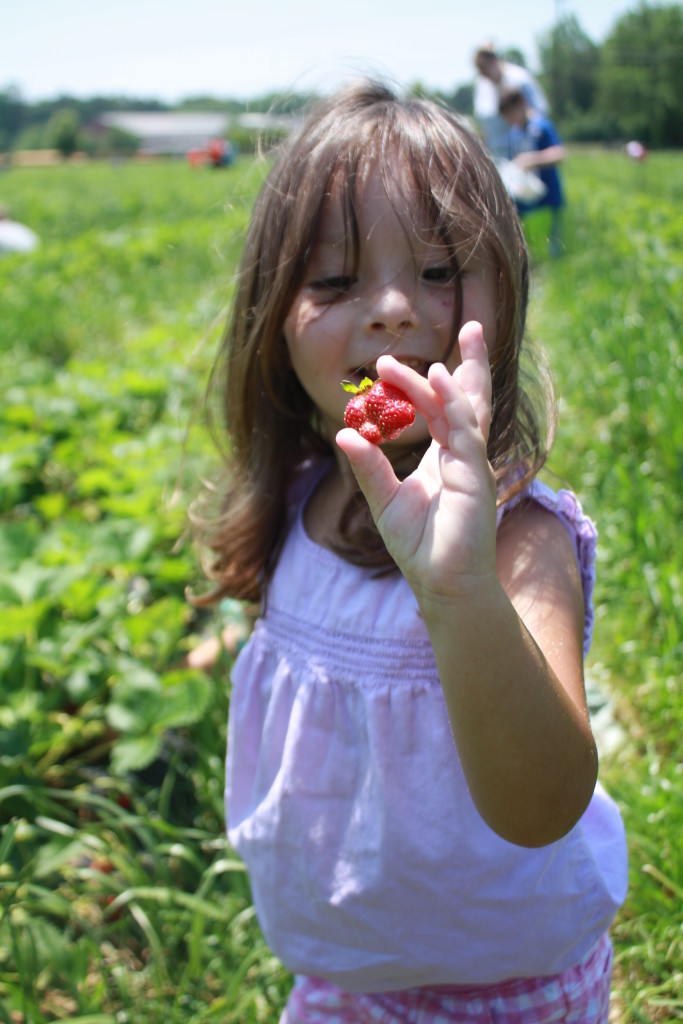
(610, 315)
(120, 900)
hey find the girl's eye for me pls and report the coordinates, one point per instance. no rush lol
(443, 273)
(337, 284)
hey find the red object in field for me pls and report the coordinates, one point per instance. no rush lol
(636, 150)
(215, 150)
(218, 153)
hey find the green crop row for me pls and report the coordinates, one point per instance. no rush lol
(610, 314)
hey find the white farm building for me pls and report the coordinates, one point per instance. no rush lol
(174, 134)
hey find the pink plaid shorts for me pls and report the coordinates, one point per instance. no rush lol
(579, 995)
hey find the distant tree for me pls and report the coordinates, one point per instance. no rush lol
(11, 116)
(569, 68)
(62, 131)
(112, 142)
(120, 143)
(462, 100)
(514, 56)
(418, 90)
(30, 137)
(212, 103)
(641, 75)
(281, 102)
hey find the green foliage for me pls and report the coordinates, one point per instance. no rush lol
(627, 87)
(118, 260)
(609, 313)
(65, 123)
(120, 900)
(62, 131)
(514, 55)
(569, 60)
(10, 117)
(641, 75)
(114, 142)
(462, 100)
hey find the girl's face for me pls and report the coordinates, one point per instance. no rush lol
(400, 299)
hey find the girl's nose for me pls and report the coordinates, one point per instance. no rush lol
(391, 306)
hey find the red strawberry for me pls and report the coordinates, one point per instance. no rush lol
(378, 411)
(371, 432)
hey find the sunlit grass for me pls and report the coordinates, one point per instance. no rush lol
(609, 312)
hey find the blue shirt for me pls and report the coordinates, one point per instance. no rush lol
(540, 133)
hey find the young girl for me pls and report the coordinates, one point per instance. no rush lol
(411, 775)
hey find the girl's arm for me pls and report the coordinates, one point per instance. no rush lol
(509, 655)
(505, 618)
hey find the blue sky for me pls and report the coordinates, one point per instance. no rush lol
(168, 49)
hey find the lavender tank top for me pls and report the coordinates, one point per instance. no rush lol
(369, 864)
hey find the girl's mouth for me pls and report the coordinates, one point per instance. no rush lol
(420, 366)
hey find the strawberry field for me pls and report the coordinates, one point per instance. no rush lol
(120, 900)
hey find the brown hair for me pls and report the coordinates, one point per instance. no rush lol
(511, 99)
(430, 157)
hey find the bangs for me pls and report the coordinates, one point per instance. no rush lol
(430, 175)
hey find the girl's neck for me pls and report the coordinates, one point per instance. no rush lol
(328, 506)
(324, 508)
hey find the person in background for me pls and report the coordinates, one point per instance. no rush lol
(536, 146)
(495, 77)
(15, 237)
(411, 773)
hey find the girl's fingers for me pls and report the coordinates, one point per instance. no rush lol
(372, 469)
(474, 373)
(446, 401)
(440, 390)
(416, 387)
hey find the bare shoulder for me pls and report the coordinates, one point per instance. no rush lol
(533, 543)
(536, 565)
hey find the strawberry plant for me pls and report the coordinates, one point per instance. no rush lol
(111, 749)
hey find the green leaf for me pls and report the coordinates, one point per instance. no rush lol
(18, 541)
(57, 854)
(143, 702)
(364, 385)
(132, 755)
(21, 620)
(185, 699)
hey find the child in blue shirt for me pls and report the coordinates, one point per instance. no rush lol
(535, 146)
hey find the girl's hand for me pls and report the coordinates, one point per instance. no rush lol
(439, 524)
(513, 686)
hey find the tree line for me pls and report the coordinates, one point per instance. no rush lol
(628, 86)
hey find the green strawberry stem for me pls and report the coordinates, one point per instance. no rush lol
(364, 385)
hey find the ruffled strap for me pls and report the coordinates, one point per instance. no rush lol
(567, 507)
